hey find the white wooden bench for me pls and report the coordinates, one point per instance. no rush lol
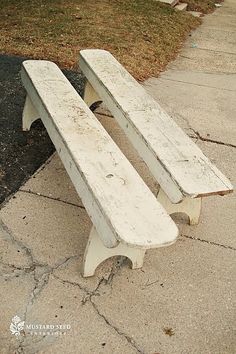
(127, 219)
(184, 173)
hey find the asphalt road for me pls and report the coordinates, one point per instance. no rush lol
(21, 153)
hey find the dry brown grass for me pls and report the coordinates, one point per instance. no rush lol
(144, 35)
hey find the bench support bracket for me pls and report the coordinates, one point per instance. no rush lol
(29, 114)
(90, 95)
(189, 206)
(96, 253)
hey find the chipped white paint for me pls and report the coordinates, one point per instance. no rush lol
(96, 253)
(120, 205)
(179, 166)
(189, 206)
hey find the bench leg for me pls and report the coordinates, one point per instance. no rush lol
(189, 206)
(29, 114)
(96, 253)
(90, 95)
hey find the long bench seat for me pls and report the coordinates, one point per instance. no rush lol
(127, 219)
(184, 173)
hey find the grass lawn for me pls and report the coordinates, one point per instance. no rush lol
(144, 35)
(204, 6)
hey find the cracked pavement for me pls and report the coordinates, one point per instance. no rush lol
(183, 299)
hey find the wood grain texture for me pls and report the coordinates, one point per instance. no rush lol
(177, 163)
(119, 203)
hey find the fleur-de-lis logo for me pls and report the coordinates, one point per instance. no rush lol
(16, 325)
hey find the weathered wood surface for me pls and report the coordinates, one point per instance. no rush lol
(120, 205)
(177, 163)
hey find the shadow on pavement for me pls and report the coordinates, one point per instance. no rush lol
(21, 153)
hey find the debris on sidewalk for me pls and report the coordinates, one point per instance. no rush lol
(181, 7)
(169, 2)
(195, 13)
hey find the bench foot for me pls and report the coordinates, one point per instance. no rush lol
(96, 253)
(189, 206)
(29, 114)
(90, 95)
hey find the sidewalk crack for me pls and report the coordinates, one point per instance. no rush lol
(198, 136)
(195, 84)
(104, 114)
(73, 283)
(213, 50)
(88, 298)
(52, 198)
(117, 330)
(209, 242)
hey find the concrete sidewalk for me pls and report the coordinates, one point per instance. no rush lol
(183, 300)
